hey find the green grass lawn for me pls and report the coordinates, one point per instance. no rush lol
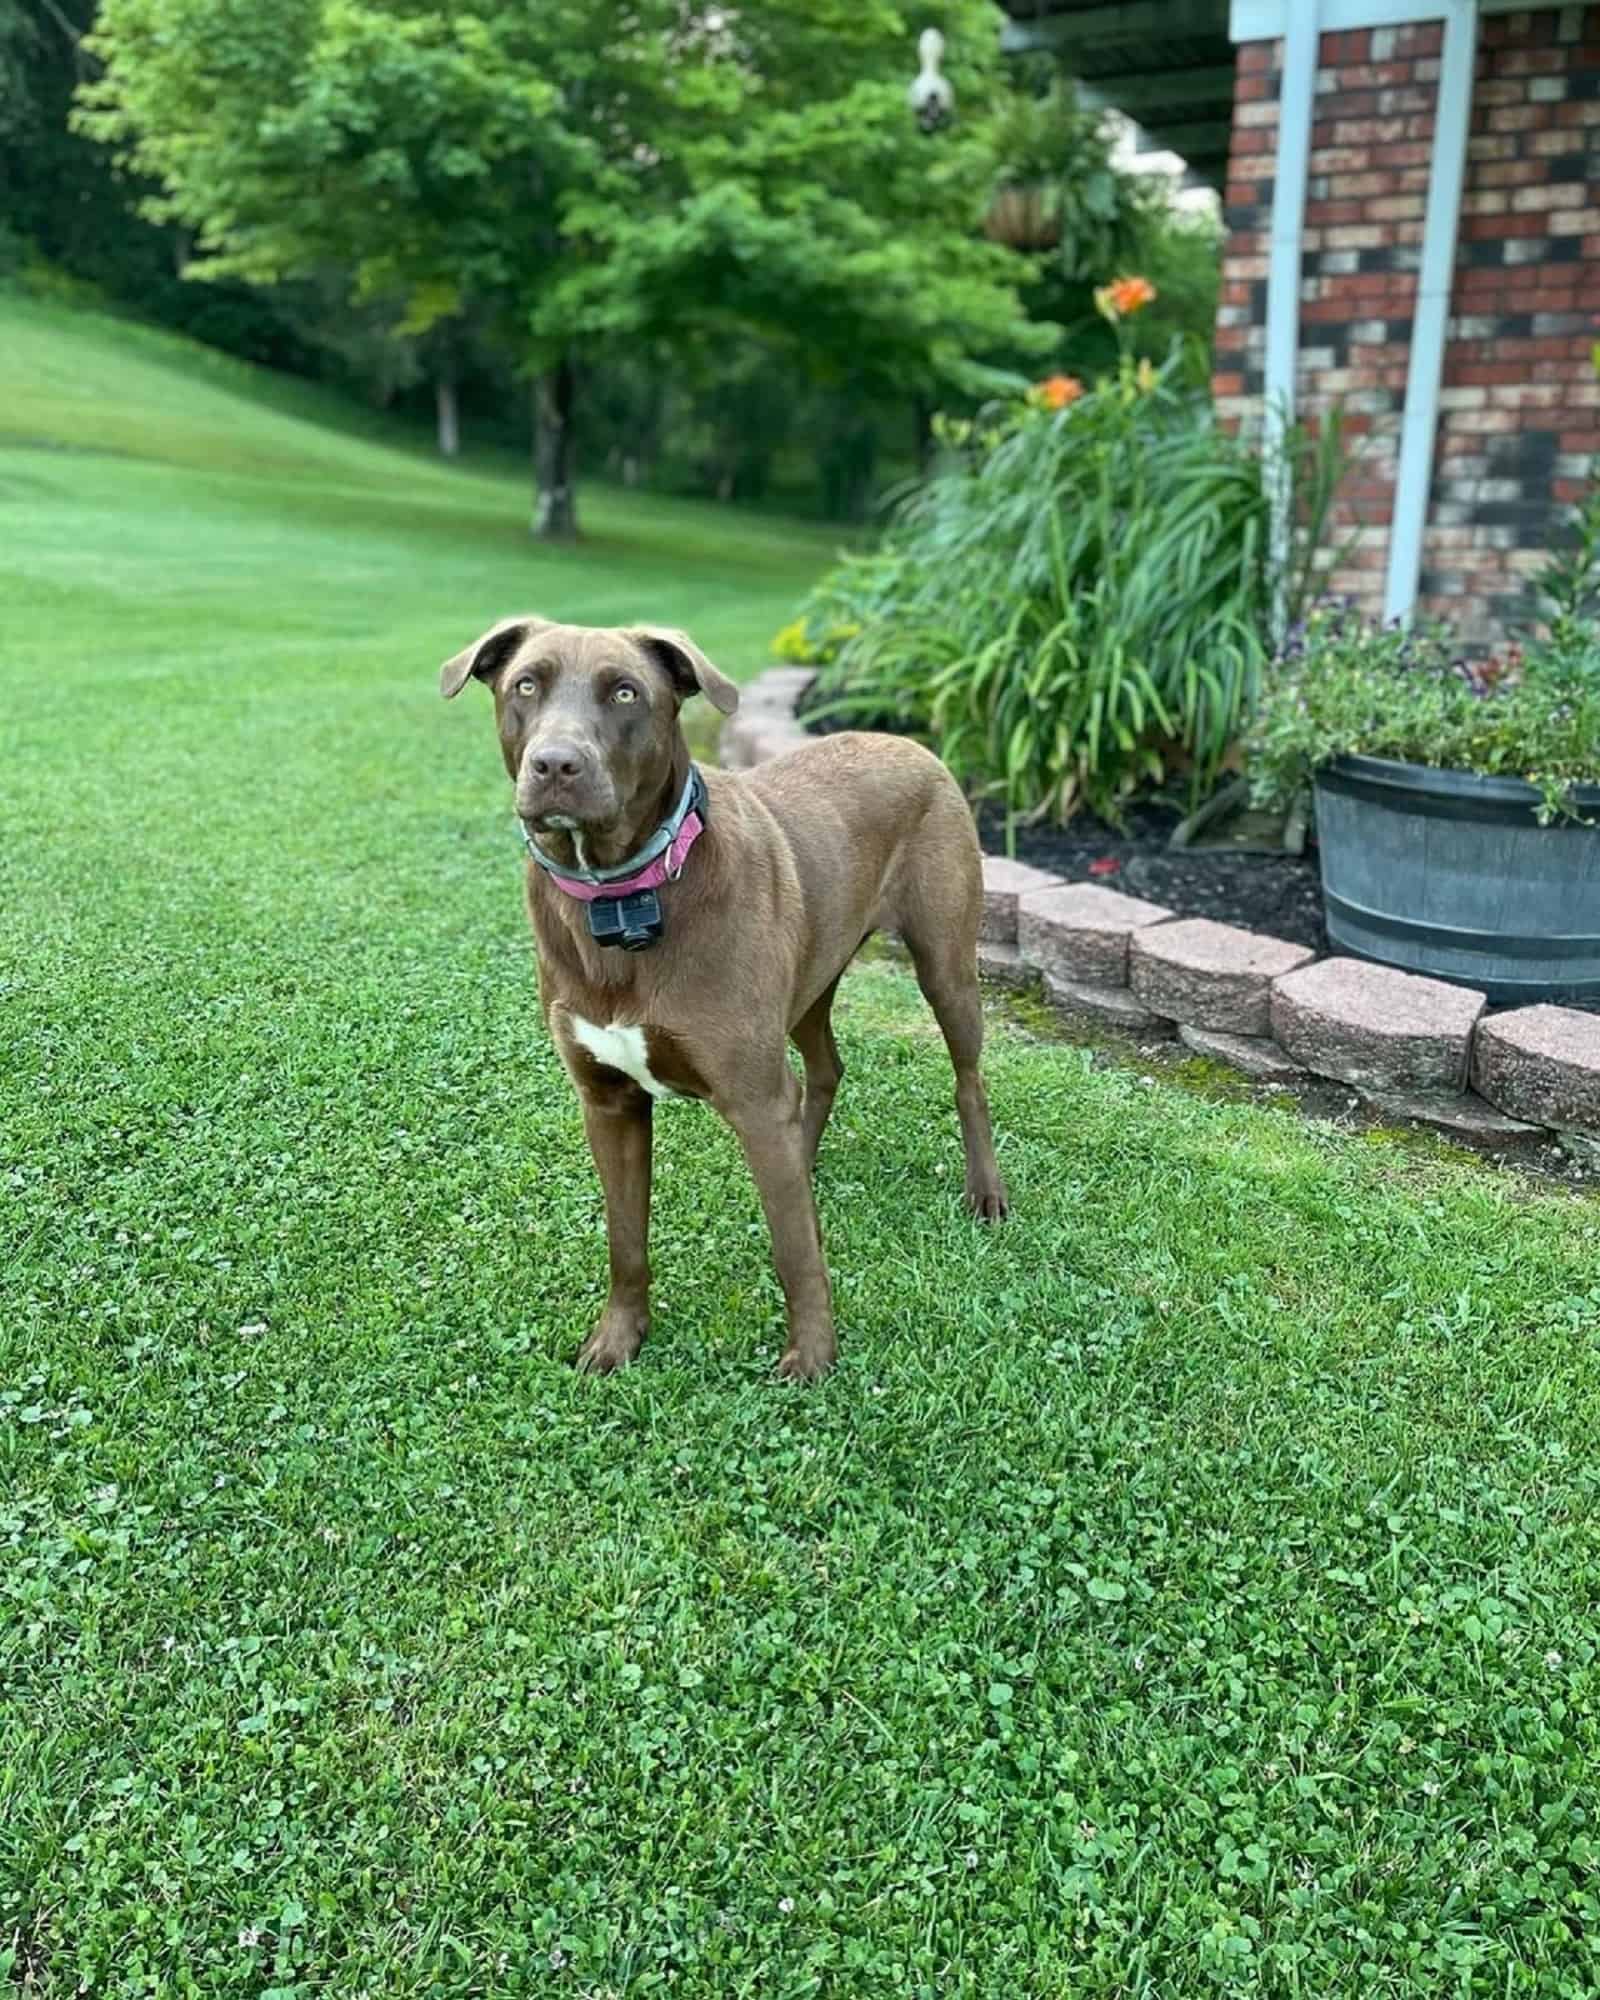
(1188, 1589)
(175, 499)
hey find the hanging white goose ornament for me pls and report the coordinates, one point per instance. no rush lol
(930, 96)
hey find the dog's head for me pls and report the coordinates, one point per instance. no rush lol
(587, 715)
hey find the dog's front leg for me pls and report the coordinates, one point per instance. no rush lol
(618, 1125)
(771, 1131)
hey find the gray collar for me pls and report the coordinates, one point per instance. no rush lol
(603, 879)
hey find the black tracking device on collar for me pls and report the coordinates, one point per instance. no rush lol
(634, 922)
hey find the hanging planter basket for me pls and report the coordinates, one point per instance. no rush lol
(1025, 217)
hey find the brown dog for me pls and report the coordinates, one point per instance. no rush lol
(741, 904)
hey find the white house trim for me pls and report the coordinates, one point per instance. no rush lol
(1301, 25)
(1266, 20)
(1298, 90)
(1430, 317)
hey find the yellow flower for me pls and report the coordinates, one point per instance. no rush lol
(792, 643)
(953, 431)
(1145, 375)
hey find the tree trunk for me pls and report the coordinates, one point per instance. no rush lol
(555, 507)
(444, 393)
(922, 434)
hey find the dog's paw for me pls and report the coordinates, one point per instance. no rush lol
(990, 1203)
(807, 1362)
(608, 1348)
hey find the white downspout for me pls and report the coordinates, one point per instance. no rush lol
(1430, 319)
(1297, 93)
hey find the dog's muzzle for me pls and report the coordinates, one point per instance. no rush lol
(562, 786)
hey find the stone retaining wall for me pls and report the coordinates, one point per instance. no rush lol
(1412, 1047)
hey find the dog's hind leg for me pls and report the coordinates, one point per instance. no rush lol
(812, 1035)
(938, 918)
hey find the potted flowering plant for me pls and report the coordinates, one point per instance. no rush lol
(1457, 801)
(1032, 139)
(1056, 185)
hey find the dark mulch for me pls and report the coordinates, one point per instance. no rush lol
(1276, 893)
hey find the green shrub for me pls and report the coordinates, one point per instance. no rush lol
(1343, 686)
(1075, 607)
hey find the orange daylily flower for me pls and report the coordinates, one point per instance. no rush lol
(1123, 296)
(1129, 294)
(1055, 392)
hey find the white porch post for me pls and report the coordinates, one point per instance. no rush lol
(1299, 22)
(1431, 317)
(1297, 93)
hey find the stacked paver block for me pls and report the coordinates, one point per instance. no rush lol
(1256, 1056)
(1459, 1113)
(1078, 933)
(1542, 1064)
(1209, 975)
(1005, 883)
(1078, 936)
(1376, 1028)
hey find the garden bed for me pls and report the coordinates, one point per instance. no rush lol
(1139, 879)
(1278, 894)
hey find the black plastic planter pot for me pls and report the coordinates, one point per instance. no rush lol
(1452, 875)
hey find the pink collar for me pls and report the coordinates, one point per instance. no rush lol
(662, 855)
(667, 867)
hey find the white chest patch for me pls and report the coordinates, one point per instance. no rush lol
(619, 1048)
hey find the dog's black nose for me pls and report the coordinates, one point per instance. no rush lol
(556, 760)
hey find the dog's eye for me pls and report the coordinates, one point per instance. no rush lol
(527, 687)
(625, 693)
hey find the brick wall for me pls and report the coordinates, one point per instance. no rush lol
(1520, 406)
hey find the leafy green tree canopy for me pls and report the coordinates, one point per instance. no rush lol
(579, 174)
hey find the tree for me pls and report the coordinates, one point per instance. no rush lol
(65, 203)
(579, 174)
(18, 41)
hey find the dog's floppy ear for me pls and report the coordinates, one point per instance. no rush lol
(691, 671)
(486, 655)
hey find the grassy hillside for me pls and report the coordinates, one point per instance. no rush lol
(191, 500)
(1186, 1590)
